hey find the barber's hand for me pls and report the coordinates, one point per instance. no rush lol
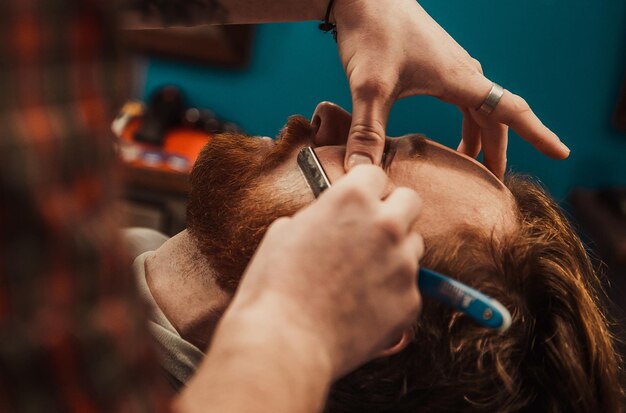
(392, 49)
(340, 274)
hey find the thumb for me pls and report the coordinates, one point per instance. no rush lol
(366, 140)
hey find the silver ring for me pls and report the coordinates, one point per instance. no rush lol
(492, 99)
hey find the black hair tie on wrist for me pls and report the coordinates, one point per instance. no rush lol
(326, 26)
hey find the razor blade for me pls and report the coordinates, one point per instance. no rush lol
(483, 309)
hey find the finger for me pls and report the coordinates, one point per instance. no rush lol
(366, 141)
(470, 133)
(515, 112)
(279, 224)
(404, 206)
(471, 140)
(495, 141)
(414, 250)
(362, 180)
(415, 245)
(478, 66)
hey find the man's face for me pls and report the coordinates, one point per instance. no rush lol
(241, 184)
(456, 190)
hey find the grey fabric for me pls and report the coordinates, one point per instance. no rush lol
(178, 357)
(140, 240)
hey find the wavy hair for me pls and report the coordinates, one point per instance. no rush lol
(557, 356)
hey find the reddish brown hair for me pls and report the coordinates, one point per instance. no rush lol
(230, 203)
(558, 355)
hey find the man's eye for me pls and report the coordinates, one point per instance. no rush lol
(388, 155)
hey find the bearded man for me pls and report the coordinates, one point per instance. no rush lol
(508, 240)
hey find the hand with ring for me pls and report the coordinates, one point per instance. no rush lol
(392, 49)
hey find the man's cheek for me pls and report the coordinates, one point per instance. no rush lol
(331, 158)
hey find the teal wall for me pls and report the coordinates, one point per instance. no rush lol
(566, 57)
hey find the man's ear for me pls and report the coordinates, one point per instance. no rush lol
(399, 345)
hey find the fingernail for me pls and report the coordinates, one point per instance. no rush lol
(358, 159)
(565, 148)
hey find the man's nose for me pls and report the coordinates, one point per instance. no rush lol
(331, 124)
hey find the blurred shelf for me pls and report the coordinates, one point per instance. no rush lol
(175, 183)
(154, 199)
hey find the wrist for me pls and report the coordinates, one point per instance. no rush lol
(319, 8)
(254, 352)
(278, 324)
(343, 10)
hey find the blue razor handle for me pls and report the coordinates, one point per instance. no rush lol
(484, 310)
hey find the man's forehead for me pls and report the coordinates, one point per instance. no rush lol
(419, 147)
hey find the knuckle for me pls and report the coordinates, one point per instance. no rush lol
(279, 224)
(514, 111)
(412, 198)
(416, 308)
(408, 268)
(390, 227)
(478, 65)
(373, 87)
(519, 104)
(367, 133)
(419, 245)
(456, 77)
(372, 173)
(412, 305)
(462, 68)
(369, 171)
(354, 193)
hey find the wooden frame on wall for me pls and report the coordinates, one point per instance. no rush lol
(224, 46)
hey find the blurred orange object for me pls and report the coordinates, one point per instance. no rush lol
(178, 153)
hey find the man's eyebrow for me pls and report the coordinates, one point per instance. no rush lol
(387, 155)
(415, 147)
(389, 152)
(417, 144)
(465, 161)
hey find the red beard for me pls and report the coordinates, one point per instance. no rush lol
(230, 208)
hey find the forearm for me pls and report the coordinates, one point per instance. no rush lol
(258, 363)
(191, 12)
(262, 11)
